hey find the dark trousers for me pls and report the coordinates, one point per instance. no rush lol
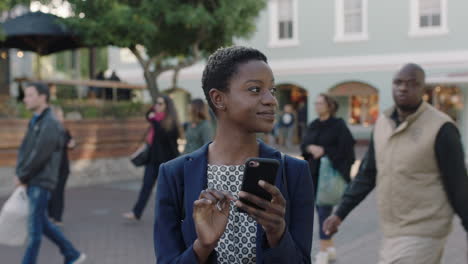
(56, 203)
(324, 211)
(149, 179)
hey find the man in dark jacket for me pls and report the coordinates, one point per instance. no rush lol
(37, 168)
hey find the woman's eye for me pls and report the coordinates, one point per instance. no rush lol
(254, 89)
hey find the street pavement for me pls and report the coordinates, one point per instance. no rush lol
(93, 223)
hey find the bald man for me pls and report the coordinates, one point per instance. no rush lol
(416, 162)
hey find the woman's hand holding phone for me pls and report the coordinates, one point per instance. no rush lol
(272, 216)
(210, 215)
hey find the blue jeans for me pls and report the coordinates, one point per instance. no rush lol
(149, 179)
(324, 212)
(39, 224)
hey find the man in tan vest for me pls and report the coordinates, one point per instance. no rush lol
(416, 161)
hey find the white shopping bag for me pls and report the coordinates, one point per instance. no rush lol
(14, 218)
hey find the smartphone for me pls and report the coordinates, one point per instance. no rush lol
(257, 169)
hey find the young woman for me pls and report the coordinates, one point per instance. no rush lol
(327, 135)
(162, 139)
(196, 216)
(199, 130)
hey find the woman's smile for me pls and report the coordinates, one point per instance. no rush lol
(268, 115)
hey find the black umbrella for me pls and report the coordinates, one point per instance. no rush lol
(39, 32)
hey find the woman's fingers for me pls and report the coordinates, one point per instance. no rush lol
(276, 195)
(218, 199)
(220, 195)
(208, 195)
(269, 221)
(262, 203)
(202, 202)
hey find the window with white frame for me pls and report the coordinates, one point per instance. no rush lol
(430, 12)
(351, 20)
(283, 23)
(428, 17)
(285, 19)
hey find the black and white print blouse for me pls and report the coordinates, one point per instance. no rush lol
(238, 243)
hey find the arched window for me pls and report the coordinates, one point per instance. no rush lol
(359, 102)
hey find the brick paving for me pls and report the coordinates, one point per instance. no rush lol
(93, 223)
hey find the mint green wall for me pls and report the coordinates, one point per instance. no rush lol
(388, 27)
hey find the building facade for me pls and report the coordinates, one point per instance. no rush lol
(350, 49)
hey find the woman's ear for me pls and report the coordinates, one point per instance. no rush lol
(218, 99)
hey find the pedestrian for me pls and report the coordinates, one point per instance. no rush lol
(302, 119)
(57, 200)
(327, 136)
(38, 166)
(198, 131)
(416, 161)
(162, 141)
(195, 219)
(286, 125)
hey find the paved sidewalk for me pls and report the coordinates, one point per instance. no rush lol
(93, 223)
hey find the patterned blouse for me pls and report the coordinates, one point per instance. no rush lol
(238, 243)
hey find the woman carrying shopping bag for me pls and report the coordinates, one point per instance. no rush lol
(162, 143)
(328, 146)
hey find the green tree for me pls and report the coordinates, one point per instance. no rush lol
(6, 5)
(164, 35)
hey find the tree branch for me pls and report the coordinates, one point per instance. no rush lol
(137, 54)
(187, 62)
(155, 59)
(175, 77)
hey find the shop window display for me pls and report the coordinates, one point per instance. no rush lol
(364, 110)
(448, 99)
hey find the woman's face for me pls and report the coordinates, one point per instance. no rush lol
(321, 107)
(160, 105)
(250, 100)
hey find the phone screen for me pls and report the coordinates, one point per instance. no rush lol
(257, 169)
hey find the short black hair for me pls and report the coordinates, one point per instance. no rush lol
(41, 88)
(222, 65)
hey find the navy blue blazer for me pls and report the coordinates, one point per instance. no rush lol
(180, 182)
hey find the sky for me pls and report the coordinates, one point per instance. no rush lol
(57, 7)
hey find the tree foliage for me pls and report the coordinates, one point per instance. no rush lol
(164, 34)
(6, 5)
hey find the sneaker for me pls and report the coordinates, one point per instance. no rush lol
(321, 258)
(79, 260)
(331, 253)
(130, 216)
(58, 223)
